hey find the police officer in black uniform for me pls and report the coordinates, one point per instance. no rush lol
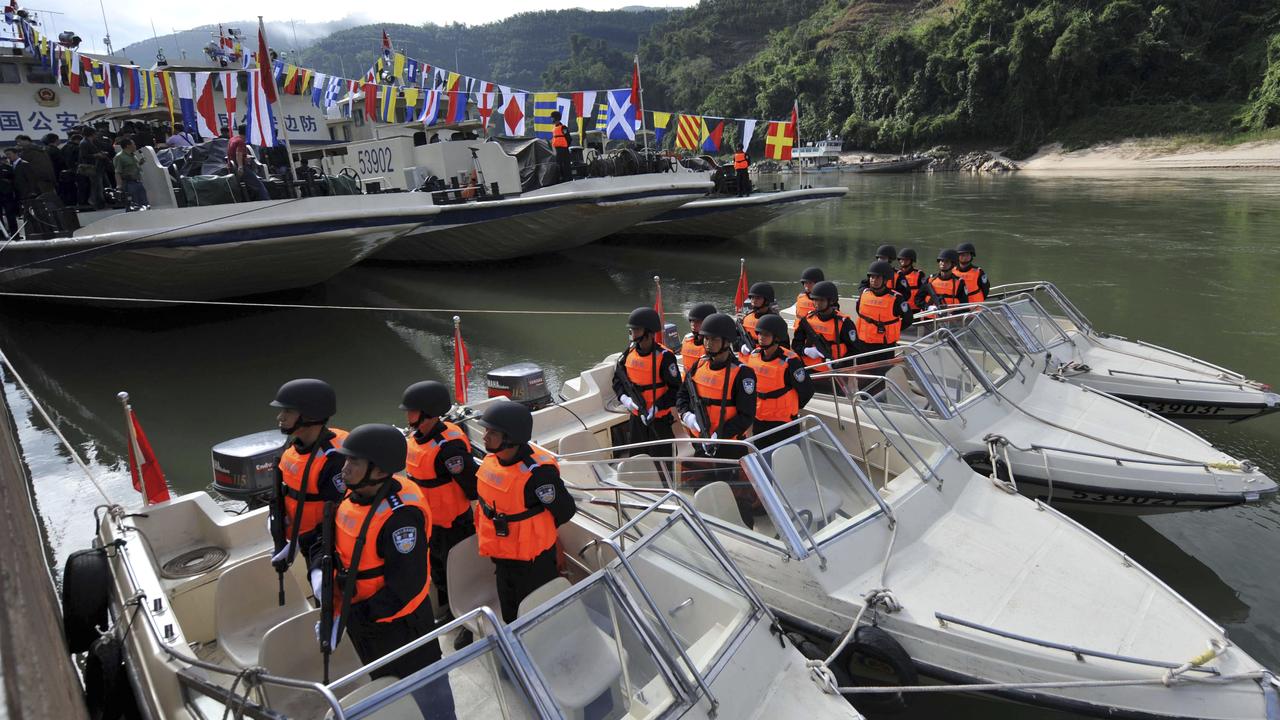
(646, 380)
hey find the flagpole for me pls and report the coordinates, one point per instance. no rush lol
(640, 110)
(263, 64)
(123, 397)
(457, 334)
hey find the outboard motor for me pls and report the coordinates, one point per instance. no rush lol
(244, 468)
(523, 382)
(671, 336)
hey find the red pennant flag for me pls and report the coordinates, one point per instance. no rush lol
(264, 66)
(386, 42)
(657, 303)
(370, 101)
(145, 469)
(635, 86)
(740, 297)
(795, 123)
(461, 363)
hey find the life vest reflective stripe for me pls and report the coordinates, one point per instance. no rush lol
(912, 279)
(948, 291)
(774, 400)
(690, 352)
(445, 497)
(739, 161)
(645, 372)
(804, 306)
(296, 490)
(970, 278)
(369, 578)
(829, 330)
(715, 390)
(530, 531)
(559, 138)
(876, 323)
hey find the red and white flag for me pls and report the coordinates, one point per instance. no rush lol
(267, 78)
(148, 478)
(461, 363)
(484, 103)
(229, 87)
(512, 112)
(206, 114)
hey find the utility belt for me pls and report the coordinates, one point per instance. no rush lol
(502, 522)
(880, 324)
(341, 573)
(298, 495)
(772, 394)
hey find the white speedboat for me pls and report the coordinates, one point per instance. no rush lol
(953, 578)
(642, 624)
(1071, 445)
(728, 216)
(1164, 381)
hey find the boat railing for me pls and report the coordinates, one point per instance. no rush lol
(1031, 287)
(1028, 326)
(1180, 380)
(1079, 652)
(887, 426)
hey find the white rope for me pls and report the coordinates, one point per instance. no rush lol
(295, 306)
(994, 443)
(49, 421)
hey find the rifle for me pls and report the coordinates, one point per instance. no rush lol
(744, 337)
(823, 347)
(630, 387)
(278, 537)
(699, 410)
(326, 584)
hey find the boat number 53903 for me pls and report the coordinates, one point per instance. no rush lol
(374, 161)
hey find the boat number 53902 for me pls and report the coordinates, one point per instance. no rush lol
(374, 161)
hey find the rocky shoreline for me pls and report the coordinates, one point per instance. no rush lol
(976, 161)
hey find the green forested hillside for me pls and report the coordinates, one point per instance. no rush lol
(515, 51)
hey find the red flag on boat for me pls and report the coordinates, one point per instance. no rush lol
(657, 303)
(795, 123)
(386, 42)
(461, 363)
(264, 66)
(635, 89)
(143, 465)
(740, 297)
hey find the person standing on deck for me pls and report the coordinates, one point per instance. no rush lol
(782, 383)
(880, 314)
(741, 167)
(947, 287)
(238, 156)
(914, 280)
(560, 145)
(763, 302)
(975, 278)
(692, 347)
(646, 380)
(804, 302)
(825, 334)
(725, 406)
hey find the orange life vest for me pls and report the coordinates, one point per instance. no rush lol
(830, 331)
(690, 351)
(305, 491)
(970, 278)
(774, 400)
(876, 323)
(715, 390)
(804, 306)
(948, 291)
(369, 578)
(530, 531)
(912, 279)
(739, 161)
(645, 372)
(446, 499)
(559, 138)
(749, 326)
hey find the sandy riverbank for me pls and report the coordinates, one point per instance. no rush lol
(1154, 155)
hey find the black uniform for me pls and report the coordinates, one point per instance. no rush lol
(797, 379)
(453, 461)
(517, 579)
(8, 198)
(667, 374)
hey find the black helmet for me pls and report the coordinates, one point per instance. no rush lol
(313, 399)
(382, 445)
(762, 289)
(701, 311)
(967, 247)
(511, 419)
(774, 325)
(813, 274)
(887, 251)
(881, 268)
(719, 325)
(907, 254)
(428, 397)
(949, 254)
(826, 290)
(645, 318)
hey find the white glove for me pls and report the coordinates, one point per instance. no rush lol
(649, 418)
(931, 308)
(714, 436)
(628, 403)
(691, 421)
(746, 349)
(317, 584)
(271, 525)
(333, 637)
(283, 554)
(814, 353)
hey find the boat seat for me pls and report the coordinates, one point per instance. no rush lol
(577, 442)
(246, 605)
(403, 708)
(290, 650)
(578, 660)
(640, 471)
(716, 499)
(471, 581)
(815, 504)
(548, 590)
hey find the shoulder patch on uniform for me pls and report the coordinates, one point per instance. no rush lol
(749, 385)
(338, 485)
(546, 493)
(405, 539)
(799, 375)
(454, 464)
(673, 370)
(982, 277)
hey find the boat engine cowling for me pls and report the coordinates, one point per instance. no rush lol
(244, 468)
(522, 382)
(671, 336)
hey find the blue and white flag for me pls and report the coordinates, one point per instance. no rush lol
(332, 92)
(622, 116)
(317, 89)
(430, 108)
(257, 113)
(186, 101)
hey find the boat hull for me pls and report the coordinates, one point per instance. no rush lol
(213, 252)
(553, 219)
(731, 217)
(891, 166)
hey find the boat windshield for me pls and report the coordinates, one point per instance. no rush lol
(1068, 317)
(1032, 319)
(939, 374)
